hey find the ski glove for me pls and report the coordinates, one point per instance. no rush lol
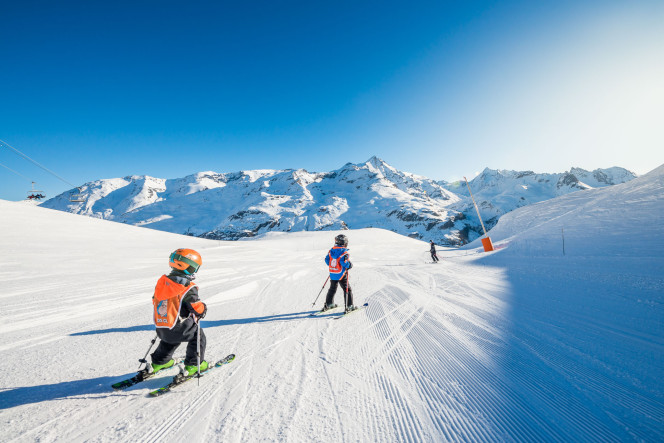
(200, 308)
(350, 265)
(204, 312)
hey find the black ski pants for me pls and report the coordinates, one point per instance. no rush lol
(434, 256)
(348, 292)
(170, 339)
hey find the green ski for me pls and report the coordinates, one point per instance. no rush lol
(179, 379)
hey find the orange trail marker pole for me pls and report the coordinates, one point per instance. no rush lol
(486, 242)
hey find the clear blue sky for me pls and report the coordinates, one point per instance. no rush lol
(94, 89)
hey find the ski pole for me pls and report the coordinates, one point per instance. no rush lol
(143, 360)
(346, 291)
(321, 290)
(198, 349)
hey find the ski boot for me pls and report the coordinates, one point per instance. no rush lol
(187, 371)
(350, 308)
(153, 368)
(328, 307)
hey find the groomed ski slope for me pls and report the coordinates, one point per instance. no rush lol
(523, 344)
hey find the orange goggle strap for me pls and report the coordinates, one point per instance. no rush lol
(185, 260)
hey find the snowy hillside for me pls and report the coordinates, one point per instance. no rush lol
(230, 206)
(521, 344)
(498, 192)
(624, 224)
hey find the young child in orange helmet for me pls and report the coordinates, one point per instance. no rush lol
(177, 311)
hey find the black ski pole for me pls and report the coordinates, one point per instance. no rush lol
(346, 291)
(143, 360)
(321, 290)
(198, 349)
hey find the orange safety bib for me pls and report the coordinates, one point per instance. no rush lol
(335, 263)
(167, 301)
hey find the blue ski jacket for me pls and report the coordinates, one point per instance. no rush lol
(338, 261)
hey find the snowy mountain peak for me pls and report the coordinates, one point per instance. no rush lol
(371, 194)
(378, 163)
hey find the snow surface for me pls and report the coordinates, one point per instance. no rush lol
(522, 344)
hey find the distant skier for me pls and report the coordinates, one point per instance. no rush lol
(177, 311)
(339, 263)
(434, 256)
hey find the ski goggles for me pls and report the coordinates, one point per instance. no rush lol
(193, 266)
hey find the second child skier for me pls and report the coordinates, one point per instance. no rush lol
(339, 263)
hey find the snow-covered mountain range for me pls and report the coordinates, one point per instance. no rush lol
(231, 206)
(498, 192)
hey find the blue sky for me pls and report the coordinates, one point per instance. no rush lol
(97, 90)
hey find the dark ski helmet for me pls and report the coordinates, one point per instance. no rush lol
(185, 260)
(341, 240)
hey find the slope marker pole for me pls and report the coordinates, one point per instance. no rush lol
(486, 242)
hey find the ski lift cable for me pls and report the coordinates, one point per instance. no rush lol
(17, 173)
(36, 163)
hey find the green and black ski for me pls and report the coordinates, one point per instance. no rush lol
(179, 379)
(139, 377)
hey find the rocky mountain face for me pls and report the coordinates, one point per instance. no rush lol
(231, 206)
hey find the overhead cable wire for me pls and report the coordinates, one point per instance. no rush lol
(17, 173)
(36, 163)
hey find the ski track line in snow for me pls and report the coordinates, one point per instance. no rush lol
(446, 371)
(324, 363)
(289, 424)
(264, 351)
(396, 335)
(395, 356)
(32, 341)
(65, 313)
(571, 372)
(524, 381)
(187, 411)
(370, 409)
(249, 359)
(404, 424)
(454, 389)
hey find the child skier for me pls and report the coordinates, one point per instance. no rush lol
(339, 263)
(434, 256)
(177, 311)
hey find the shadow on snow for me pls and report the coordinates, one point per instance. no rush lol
(24, 395)
(214, 323)
(106, 331)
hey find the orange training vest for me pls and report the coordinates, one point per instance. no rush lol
(167, 301)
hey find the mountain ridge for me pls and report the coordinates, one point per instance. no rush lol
(235, 205)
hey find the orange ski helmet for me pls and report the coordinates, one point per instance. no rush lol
(185, 260)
